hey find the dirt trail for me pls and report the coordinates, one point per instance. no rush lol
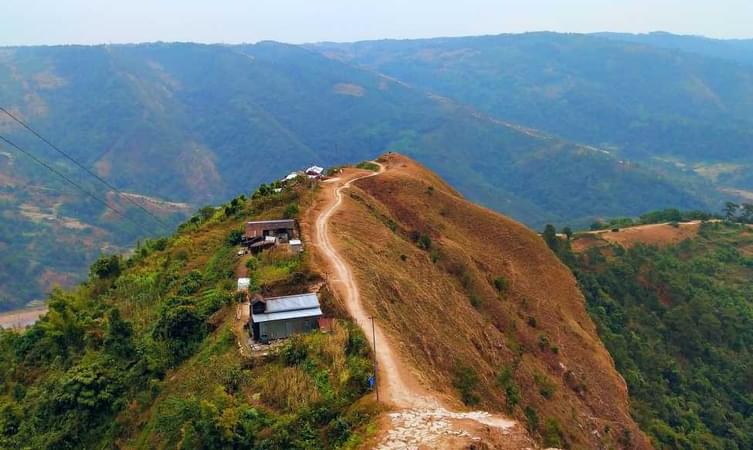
(421, 419)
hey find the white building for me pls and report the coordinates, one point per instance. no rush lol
(315, 171)
(296, 245)
(243, 284)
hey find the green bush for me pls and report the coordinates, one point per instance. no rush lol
(368, 165)
(465, 380)
(501, 284)
(106, 267)
(546, 387)
(505, 380)
(291, 211)
(235, 237)
(553, 436)
(424, 242)
(532, 419)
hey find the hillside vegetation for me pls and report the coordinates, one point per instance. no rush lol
(677, 320)
(145, 354)
(483, 311)
(198, 123)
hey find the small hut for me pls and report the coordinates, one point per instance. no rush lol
(281, 317)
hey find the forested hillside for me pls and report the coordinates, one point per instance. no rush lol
(148, 353)
(190, 124)
(678, 322)
(738, 50)
(641, 100)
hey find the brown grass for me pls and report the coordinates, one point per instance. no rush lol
(423, 300)
(661, 235)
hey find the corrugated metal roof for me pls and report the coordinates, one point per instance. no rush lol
(290, 307)
(286, 315)
(292, 302)
(266, 222)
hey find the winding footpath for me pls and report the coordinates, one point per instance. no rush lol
(420, 419)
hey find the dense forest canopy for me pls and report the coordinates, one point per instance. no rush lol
(679, 324)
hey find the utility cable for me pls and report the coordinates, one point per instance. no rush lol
(71, 182)
(83, 167)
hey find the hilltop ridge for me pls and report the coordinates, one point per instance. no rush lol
(480, 309)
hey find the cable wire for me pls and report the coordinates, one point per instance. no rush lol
(83, 167)
(71, 182)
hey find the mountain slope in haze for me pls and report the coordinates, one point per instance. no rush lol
(676, 316)
(193, 124)
(481, 309)
(641, 100)
(738, 50)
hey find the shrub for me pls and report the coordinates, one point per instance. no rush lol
(532, 419)
(475, 300)
(501, 284)
(295, 352)
(465, 380)
(291, 211)
(191, 283)
(235, 237)
(368, 165)
(531, 321)
(552, 433)
(106, 267)
(424, 242)
(546, 387)
(506, 381)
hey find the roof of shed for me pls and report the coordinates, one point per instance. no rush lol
(272, 222)
(286, 315)
(290, 307)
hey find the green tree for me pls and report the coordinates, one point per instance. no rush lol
(747, 215)
(118, 335)
(730, 211)
(106, 267)
(551, 239)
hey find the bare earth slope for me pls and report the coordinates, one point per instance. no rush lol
(439, 309)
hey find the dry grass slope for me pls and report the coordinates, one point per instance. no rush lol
(442, 307)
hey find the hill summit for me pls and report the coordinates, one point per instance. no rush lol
(478, 308)
(481, 333)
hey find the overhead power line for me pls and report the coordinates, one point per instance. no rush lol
(84, 168)
(71, 182)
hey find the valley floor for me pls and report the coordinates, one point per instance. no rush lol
(21, 318)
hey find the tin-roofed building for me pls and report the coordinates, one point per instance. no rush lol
(283, 229)
(315, 171)
(280, 317)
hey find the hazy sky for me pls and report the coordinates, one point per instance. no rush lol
(232, 21)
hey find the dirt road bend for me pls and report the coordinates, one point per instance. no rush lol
(420, 419)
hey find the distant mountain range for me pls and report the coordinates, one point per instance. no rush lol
(544, 127)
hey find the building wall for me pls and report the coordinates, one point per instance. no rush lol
(260, 230)
(280, 329)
